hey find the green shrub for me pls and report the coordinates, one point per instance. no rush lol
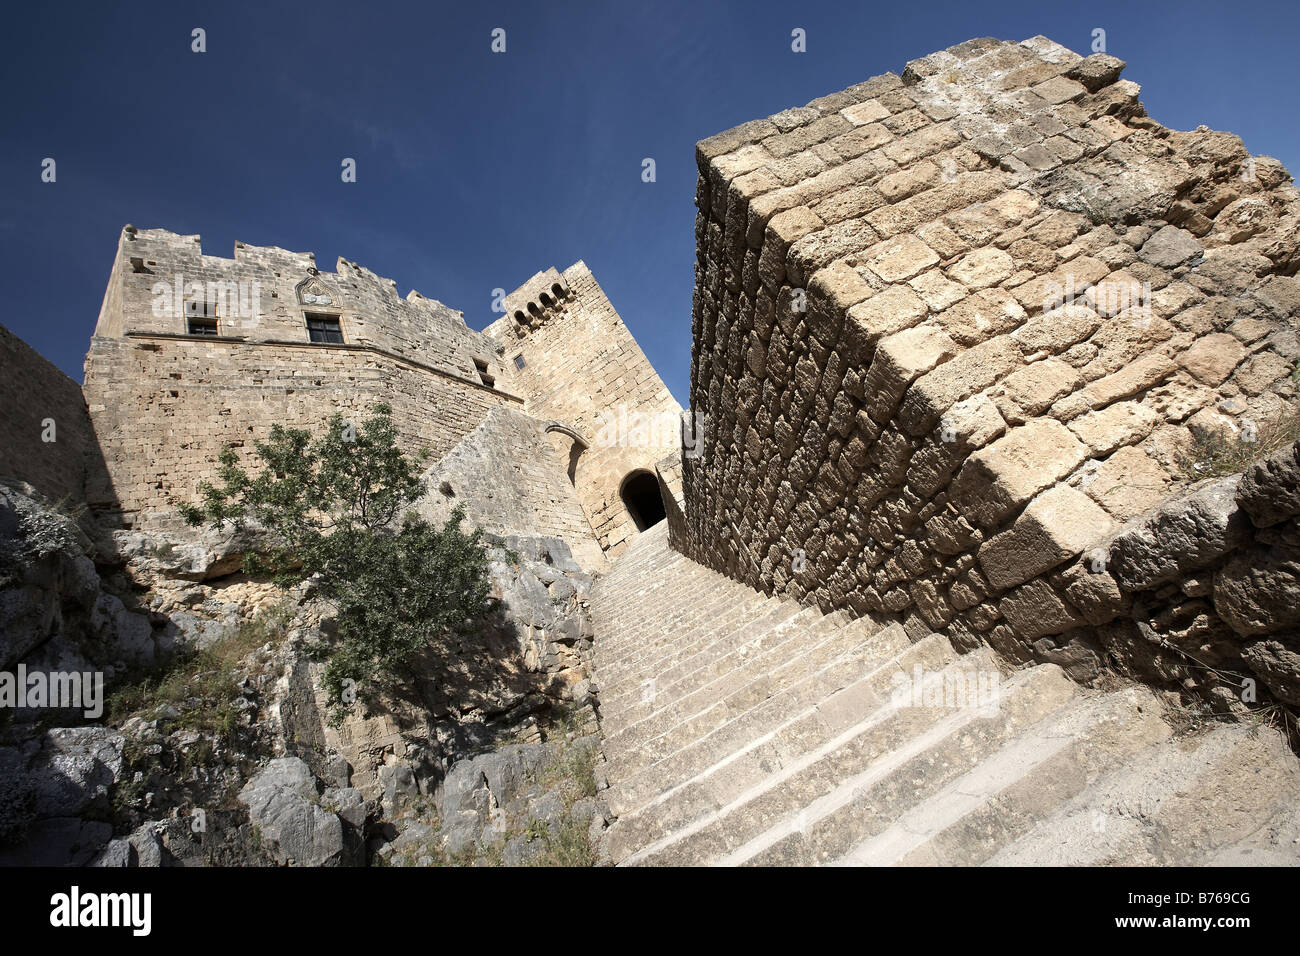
(335, 509)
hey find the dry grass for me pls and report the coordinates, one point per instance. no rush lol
(1225, 452)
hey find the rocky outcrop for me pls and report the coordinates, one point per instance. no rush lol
(292, 818)
(55, 794)
(54, 611)
(519, 805)
(524, 668)
(235, 763)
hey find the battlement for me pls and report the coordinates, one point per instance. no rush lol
(163, 283)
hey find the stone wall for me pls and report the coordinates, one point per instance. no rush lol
(33, 395)
(955, 328)
(512, 480)
(583, 369)
(264, 293)
(164, 407)
(164, 401)
(1202, 594)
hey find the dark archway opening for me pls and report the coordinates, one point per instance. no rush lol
(641, 497)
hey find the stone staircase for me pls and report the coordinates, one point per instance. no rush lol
(742, 729)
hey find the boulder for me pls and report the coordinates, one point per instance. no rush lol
(1182, 536)
(284, 806)
(75, 769)
(1270, 490)
(1276, 660)
(1258, 590)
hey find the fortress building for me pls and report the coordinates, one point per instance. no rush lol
(532, 424)
(993, 396)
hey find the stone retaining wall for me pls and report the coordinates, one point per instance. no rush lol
(954, 329)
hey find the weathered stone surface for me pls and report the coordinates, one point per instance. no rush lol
(1032, 390)
(1128, 483)
(282, 804)
(1035, 609)
(1258, 590)
(1097, 71)
(1008, 473)
(1171, 247)
(1124, 423)
(955, 380)
(1270, 490)
(75, 770)
(1211, 359)
(1057, 525)
(1056, 330)
(898, 361)
(1183, 535)
(1277, 661)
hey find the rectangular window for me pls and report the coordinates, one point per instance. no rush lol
(324, 328)
(202, 326)
(483, 375)
(519, 362)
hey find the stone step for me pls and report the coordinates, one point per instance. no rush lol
(778, 735)
(833, 798)
(685, 607)
(731, 687)
(1230, 795)
(658, 637)
(691, 637)
(744, 662)
(634, 700)
(974, 816)
(710, 773)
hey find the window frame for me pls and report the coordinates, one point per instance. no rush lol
(323, 318)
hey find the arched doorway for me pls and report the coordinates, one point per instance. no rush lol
(640, 494)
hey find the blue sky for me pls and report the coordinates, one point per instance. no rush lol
(475, 169)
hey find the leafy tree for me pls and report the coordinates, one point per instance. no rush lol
(334, 509)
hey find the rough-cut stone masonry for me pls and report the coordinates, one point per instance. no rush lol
(953, 329)
(583, 369)
(164, 402)
(512, 480)
(33, 393)
(151, 264)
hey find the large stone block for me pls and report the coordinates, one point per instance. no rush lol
(1270, 490)
(967, 373)
(1212, 358)
(898, 361)
(1183, 535)
(897, 259)
(1057, 525)
(1128, 483)
(1124, 423)
(1057, 330)
(1033, 389)
(1007, 474)
(1035, 609)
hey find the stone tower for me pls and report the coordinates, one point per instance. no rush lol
(577, 366)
